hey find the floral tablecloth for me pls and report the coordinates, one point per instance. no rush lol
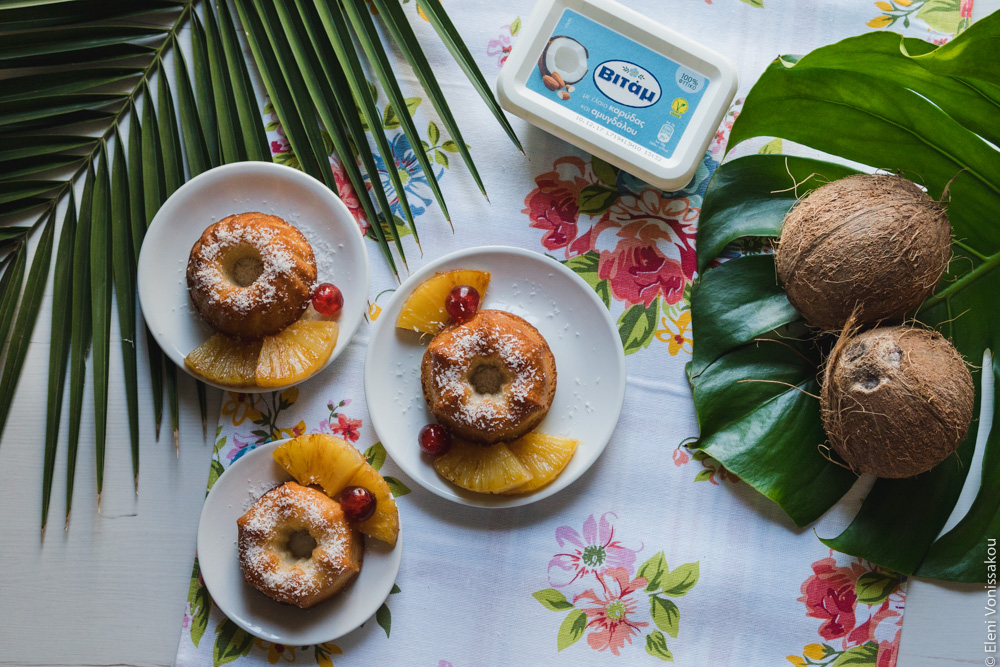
(656, 553)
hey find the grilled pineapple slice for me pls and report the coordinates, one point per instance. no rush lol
(225, 361)
(545, 456)
(295, 353)
(484, 469)
(424, 309)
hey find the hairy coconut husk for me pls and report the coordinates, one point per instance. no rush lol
(875, 243)
(896, 401)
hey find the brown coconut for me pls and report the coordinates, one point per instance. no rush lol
(875, 242)
(896, 401)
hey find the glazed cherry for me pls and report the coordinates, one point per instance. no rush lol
(358, 503)
(327, 300)
(435, 439)
(462, 303)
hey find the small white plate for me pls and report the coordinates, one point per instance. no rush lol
(218, 555)
(299, 199)
(590, 364)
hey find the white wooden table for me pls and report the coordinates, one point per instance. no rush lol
(111, 590)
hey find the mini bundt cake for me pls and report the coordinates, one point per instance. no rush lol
(250, 275)
(490, 379)
(296, 546)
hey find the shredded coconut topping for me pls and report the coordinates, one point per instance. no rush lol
(278, 259)
(263, 543)
(486, 341)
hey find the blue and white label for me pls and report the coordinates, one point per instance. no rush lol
(616, 86)
(627, 83)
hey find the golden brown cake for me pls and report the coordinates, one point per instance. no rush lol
(251, 275)
(491, 379)
(296, 546)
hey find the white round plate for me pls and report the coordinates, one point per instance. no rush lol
(230, 497)
(590, 364)
(341, 256)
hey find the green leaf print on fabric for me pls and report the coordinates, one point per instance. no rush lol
(398, 488)
(597, 199)
(941, 15)
(656, 646)
(874, 587)
(232, 643)
(605, 172)
(199, 604)
(681, 580)
(585, 266)
(552, 599)
(653, 570)
(666, 615)
(572, 629)
(866, 654)
(383, 616)
(637, 326)
(375, 455)
(390, 118)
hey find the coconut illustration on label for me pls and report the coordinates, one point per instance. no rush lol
(563, 63)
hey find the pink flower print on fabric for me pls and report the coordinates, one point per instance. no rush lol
(594, 551)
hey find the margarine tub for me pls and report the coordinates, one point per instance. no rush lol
(611, 81)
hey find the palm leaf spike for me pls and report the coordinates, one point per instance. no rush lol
(80, 334)
(311, 66)
(173, 171)
(335, 24)
(202, 406)
(10, 287)
(100, 299)
(124, 277)
(448, 33)
(197, 154)
(404, 37)
(289, 114)
(136, 198)
(284, 82)
(231, 148)
(170, 374)
(364, 28)
(152, 194)
(27, 314)
(254, 139)
(59, 346)
(203, 89)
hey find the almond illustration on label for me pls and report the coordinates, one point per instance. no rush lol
(559, 80)
(550, 82)
(563, 95)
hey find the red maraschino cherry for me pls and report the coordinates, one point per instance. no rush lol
(462, 303)
(358, 503)
(435, 439)
(328, 300)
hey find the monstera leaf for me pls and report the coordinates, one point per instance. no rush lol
(892, 103)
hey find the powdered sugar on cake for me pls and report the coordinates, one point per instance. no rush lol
(490, 343)
(277, 261)
(269, 520)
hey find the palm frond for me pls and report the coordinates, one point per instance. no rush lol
(99, 69)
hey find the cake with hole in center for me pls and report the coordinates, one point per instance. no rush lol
(251, 275)
(491, 379)
(295, 546)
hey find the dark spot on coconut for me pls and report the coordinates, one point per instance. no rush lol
(893, 356)
(854, 352)
(870, 380)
